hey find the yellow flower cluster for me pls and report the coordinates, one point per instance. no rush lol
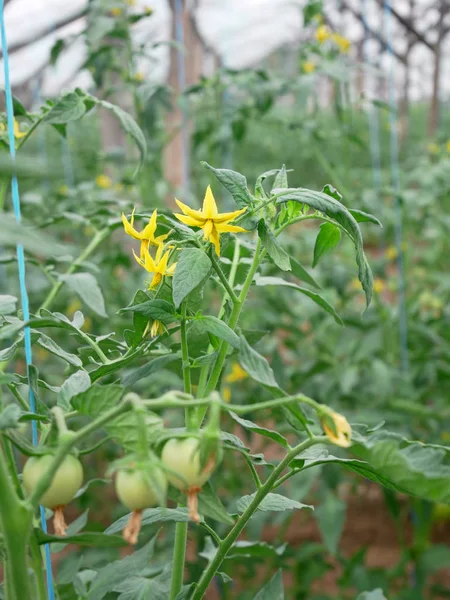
(17, 133)
(323, 34)
(308, 66)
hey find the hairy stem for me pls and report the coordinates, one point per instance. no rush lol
(179, 554)
(259, 496)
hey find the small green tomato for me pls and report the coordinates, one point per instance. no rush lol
(134, 491)
(65, 484)
(182, 459)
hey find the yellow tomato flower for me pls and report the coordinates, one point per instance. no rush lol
(73, 307)
(308, 66)
(322, 34)
(355, 284)
(433, 148)
(131, 2)
(341, 42)
(147, 235)
(226, 393)
(336, 428)
(157, 328)
(237, 374)
(139, 76)
(379, 285)
(209, 219)
(116, 11)
(447, 146)
(157, 266)
(63, 190)
(17, 133)
(148, 10)
(103, 181)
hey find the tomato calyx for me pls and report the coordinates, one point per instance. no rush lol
(59, 522)
(131, 532)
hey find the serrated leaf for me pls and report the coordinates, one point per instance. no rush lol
(7, 304)
(97, 399)
(218, 328)
(148, 369)
(271, 502)
(151, 516)
(192, 268)
(69, 107)
(279, 256)
(78, 382)
(327, 239)
(331, 207)
(87, 288)
(49, 344)
(281, 179)
(362, 217)
(116, 572)
(234, 182)
(256, 366)
(317, 298)
(273, 590)
(269, 433)
(160, 310)
(209, 505)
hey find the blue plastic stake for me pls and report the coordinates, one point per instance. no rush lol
(22, 280)
(395, 174)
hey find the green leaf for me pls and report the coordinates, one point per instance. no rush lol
(317, 298)
(327, 239)
(331, 207)
(257, 366)
(153, 366)
(234, 182)
(141, 588)
(78, 382)
(97, 399)
(412, 467)
(116, 572)
(250, 426)
(7, 304)
(130, 126)
(330, 517)
(301, 273)
(97, 540)
(46, 342)
(363, 217)
(281, 179)
(185, 592)
(209, 505)
(279, 256)
(151, 516)
(160, 310)
(87, 288)
(34, 242)
(192, 269)
(68, 108)
(9, 417)
(272, 502)
(273, 590)
(373, 595)
(218, 328)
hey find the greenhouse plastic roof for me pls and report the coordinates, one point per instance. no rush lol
(241, 33)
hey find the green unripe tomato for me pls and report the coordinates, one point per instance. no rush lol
(66, 482)
(134, 491)
(181, 457)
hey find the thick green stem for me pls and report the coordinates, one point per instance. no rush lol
(234, 318)
(179, 554)
(38, 568)
(96, 240)
(15, 524)
(259, 496)
(204, 371)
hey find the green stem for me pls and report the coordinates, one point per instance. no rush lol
(320, 217)
(15, 524)
(261, 493)
(234, 318)
(223, 279)
(179, 554)
(190, 424)
(204, 371)
(38, 568)
(96, 240)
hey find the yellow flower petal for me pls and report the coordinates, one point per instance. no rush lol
(209, 204)
(224, 228)
(149, 230)
(222, 217)
(214, 238)
(139, 260)
(189, 220)
(190, 212)
(17, 133)
(128, 226)
(157, 278)
(337, 428)
(207, 229)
